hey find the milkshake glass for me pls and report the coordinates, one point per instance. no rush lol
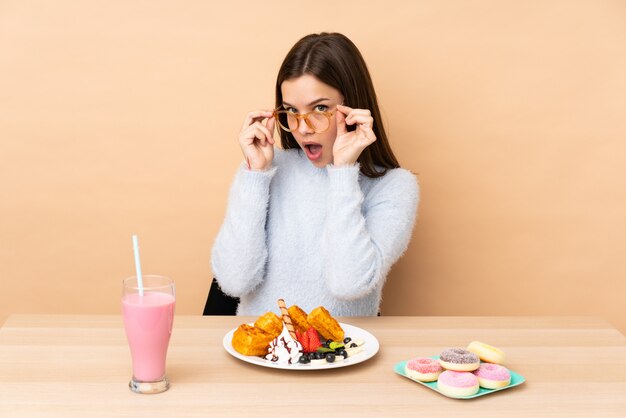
(148, 320)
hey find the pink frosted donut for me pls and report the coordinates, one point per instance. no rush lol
(424, 369)
(493, 376)
(457, 384)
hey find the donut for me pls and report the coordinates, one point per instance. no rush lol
(459, 360)
(486, 352)
(492, 376)
(457, 384)
(424, 369)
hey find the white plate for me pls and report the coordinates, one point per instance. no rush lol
(370, 348)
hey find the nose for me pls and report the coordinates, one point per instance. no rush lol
(304, 128)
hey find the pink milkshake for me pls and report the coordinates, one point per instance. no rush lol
(148, 321)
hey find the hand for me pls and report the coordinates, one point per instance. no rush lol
(349, 144)
(257, 139)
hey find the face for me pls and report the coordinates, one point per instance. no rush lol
(306, 94)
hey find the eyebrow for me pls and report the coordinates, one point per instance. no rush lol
(314, 102)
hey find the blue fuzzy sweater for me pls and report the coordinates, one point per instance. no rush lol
(313, 236)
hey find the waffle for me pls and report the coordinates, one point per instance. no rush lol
(251, 341)
(299, 319)
(270, 323)
(325, 324)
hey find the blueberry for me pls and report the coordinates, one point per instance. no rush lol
(318, 355)
(328, 342)
(347, 340)
(311, 356)
(342, 352)
(330, 357)
(304, 360)
(353, 345)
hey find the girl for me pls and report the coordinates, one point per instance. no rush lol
(322, 220)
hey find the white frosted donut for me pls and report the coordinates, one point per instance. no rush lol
(486, 352)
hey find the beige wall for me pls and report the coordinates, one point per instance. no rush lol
(121, 117)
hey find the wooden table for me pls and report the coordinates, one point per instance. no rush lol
(79, 366)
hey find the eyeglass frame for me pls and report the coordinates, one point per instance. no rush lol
(299, 116)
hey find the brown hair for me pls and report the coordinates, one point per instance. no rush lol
(334, 60)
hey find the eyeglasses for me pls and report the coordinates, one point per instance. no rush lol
(317, 120)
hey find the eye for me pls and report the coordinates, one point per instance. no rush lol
(291, 109)
(321, 108)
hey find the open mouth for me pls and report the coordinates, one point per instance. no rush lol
(313, 151)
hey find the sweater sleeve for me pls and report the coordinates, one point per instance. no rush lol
(363, 239)
(240, 251)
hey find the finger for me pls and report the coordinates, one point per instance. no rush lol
(254, 135)
(369, 134)
(350, 112)
(256, 115)
(247, 136)
(344, 109)
(364, 120)
(267, 135)
(270, 124)
(340, 120)
(261, 135)
(359, 113)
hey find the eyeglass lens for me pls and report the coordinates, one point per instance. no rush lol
(318, 121)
